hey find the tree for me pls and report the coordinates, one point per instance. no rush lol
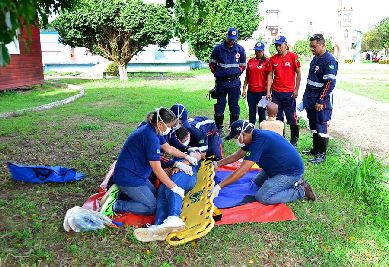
(301, 48)
(22, 13)
(204, 23)
(371, 41)
(383, 31)
(116, 30)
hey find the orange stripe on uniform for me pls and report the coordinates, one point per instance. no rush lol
(325, 90)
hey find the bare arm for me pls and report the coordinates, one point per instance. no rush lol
(244, 89)
(298, 80)
(244, 167)
(161, 174)
(232, 158)
(171, 150)
(269, 84)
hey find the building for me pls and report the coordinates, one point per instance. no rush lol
(25, 68)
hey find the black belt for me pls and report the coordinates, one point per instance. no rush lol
(227, 79)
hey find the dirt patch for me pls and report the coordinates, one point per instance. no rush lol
(362, 121)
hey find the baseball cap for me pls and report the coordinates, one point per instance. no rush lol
(232, 34)
(181, 114)
(280, 39)
(237, 127)
(259, 46)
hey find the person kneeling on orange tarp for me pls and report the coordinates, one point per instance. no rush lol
(281, 179)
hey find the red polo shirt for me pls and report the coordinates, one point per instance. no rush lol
(284, 68)
(257, 75)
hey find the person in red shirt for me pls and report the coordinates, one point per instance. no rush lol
(256, 78)
(283, 82)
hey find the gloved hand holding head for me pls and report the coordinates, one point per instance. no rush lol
(181, 114)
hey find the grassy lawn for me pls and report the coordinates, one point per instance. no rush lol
(337, 230)
(15, 100)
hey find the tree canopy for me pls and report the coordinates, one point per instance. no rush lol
(16, 14)
(116, 30)
(204, 23)
(377, 38)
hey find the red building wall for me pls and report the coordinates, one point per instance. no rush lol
(25, 69)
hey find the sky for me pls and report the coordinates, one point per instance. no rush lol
(323, 13)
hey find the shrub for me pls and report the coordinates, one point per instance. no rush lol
(364, 177)
(348, 61)
(384, 61)
(112, 69)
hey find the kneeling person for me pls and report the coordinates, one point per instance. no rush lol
(281, 178)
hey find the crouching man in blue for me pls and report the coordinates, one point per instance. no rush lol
(281, 178)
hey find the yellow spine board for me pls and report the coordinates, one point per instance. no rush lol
(197, 208)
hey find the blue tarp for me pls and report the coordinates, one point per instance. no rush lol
(43, 174)
(238, 193)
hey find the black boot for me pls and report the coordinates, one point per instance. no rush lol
(314, 150)
(233, 118)
(322, 150)
(294, 134)
(219, 122)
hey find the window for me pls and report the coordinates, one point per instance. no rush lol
(345, 33)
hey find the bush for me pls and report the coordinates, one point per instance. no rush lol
(348, 61)
(112, 69)
(364, 177)
(384, 61)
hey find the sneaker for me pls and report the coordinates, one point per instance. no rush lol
(148, 234)
(107, 207)
(113, 191)
(311, 152)
(309, 194)
(319, 158)
(170, 225)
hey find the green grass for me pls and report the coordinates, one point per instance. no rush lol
(15, 100)
(375, 89)
(337, 230)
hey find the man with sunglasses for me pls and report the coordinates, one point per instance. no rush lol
(281, 179)
(283, 82)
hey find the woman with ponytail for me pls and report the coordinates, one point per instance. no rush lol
(139, 157)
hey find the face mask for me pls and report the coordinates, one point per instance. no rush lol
(239, 143)
(168, 129)
(186, 143)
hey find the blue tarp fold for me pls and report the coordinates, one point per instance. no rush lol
(43, 174)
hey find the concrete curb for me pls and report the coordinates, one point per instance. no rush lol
(46, 106)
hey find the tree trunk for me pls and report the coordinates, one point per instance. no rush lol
(123, 73)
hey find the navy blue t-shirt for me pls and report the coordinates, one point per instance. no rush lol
(132, 166)
(274, 154)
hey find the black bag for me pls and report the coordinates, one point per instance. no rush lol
(212, 94)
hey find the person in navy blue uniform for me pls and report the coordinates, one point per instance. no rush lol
(139, 157)
(227, 63)
(281, 179)
(204, 136)
(317, 99)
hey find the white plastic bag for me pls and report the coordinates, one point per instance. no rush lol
(79, 219)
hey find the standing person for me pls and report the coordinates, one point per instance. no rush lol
(139, 157)
(317, 99)
(227, 63)
(256, 78)
(281, 179)
(283, 82)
